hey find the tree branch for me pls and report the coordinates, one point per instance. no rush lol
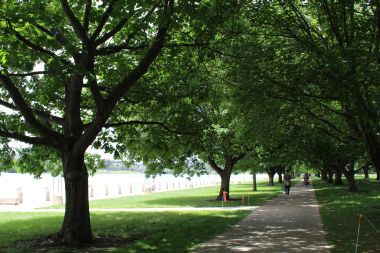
(29, 73)
(40, 113)
(27, 112)
(111, 33)
(86, 16)
(117, 48)
(120, 25)
(26, 139)
(141, 122)
(322, 119)
(118, 92)
(103, 20)
(56, 33)
(214, 166)
(28, 42)
(76, 25)
(238, 158)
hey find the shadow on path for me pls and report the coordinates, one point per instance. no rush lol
(286, 224)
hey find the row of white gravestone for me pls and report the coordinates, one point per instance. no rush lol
(130, 189)
(109, 190)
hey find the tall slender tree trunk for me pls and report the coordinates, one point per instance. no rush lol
(76, 227)
(254, 181)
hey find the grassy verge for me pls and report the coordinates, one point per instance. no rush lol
(171, 232)
(196, 197)
(339, 211)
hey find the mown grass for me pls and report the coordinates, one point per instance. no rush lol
(340, 209)
(171, 232)
(196, 197)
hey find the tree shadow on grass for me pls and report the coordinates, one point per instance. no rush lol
(132, 232)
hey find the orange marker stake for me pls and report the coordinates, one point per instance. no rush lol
(357, 237)
(225, 196)
(361, 218)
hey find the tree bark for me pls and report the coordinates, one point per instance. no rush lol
(366, 172)
(76, 227)
(324, 174)
(373, 147)
(254, 181)
(271, 172)
(225, 185)
(330, 175)
(280, 170)
(350, 176)
(338, 177)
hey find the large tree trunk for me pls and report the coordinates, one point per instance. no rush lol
(338, 175)
(324, 174)
(280, 170)
(366, 172)
(225, 185)
(350, 176)
(271, 172)
(76, 227)
(330, 175)
(254, 181)
(373, 148)
(225, 173)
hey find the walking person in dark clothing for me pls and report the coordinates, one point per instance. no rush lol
(287, 181)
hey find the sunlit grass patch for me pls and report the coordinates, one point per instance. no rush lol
(197, 197)
(340, 209)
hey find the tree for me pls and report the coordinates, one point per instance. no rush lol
(212, 139)
(64, 69)
(330, 57)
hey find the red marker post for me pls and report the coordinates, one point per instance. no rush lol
(360, 221)
(225, 196)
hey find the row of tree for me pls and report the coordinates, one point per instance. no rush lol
(240, 86)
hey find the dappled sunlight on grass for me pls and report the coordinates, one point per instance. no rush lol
(340, 209)
(147, 231)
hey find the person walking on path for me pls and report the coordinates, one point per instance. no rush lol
(283, 225)
(287, 181)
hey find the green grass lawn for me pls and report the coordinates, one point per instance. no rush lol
(196, 197)
(339, 211)
(172, 232)
(148, 231)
